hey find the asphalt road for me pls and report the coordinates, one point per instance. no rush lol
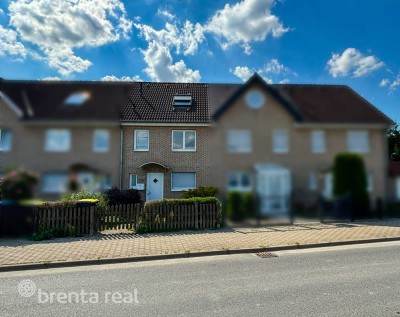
(343, 281)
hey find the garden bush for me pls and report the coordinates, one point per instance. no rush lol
(202, 191)
(127, 196)
(85, 195)
(350, 178)
(235, 209)
(17, 185)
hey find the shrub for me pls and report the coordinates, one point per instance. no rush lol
(350, 178)
(202, 191)
(74, 197)
(127, 196)
(17, 184)
(67, 231)
(249, 208)
(234, 208)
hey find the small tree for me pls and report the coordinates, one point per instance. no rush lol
(17, 184)
(393, 135)
(350, 178)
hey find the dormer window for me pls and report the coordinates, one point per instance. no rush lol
(77, 99)
(182, 101)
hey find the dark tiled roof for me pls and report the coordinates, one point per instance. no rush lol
(152, 102)
(315, 103)
(46, 99)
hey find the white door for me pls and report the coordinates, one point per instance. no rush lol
(155, 186)
(274, 187)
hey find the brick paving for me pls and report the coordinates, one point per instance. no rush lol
(117, 245)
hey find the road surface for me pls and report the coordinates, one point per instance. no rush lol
(343, 281)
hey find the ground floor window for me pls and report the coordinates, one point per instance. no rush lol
(239, 181)
(328, 185)
(54, 183)
(183, 181)
(132, 180)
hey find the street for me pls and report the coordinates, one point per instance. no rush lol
(358, 280)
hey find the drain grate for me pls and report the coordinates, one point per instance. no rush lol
(266, 255)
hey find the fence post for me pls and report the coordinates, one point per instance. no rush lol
(196, 215)
(92, 220)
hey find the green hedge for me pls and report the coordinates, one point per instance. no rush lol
(202, 191)
(182, 201)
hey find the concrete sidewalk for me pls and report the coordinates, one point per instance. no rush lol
(127, 245)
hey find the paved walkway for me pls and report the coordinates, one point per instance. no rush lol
(117, 245)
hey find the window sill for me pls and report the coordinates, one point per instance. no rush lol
(180, 189)
(183, 150)
(138, 150)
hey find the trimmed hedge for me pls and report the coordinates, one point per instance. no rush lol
(182, 201)
(350, 178)
(202, 191)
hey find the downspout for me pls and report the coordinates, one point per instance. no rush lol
(121, 159)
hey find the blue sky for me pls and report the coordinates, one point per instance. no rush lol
(319, 42)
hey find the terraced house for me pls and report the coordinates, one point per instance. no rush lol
(278, 141)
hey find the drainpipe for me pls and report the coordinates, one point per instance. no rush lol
(121, 159)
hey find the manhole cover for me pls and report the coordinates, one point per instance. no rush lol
(266, 255)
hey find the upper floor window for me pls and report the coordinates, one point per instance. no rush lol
(280, 141)
(58, 140)
(5, 140)
(141, 142)
(318, 144)
(101, 140)
(239, 181)
(183, 140)
(239, 141)
(358, 141)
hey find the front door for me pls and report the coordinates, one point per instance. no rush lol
(274, 187)
(155, 186)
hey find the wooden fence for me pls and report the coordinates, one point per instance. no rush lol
(87, 220)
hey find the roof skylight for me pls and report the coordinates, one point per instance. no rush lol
(182, 101)
(77, 98)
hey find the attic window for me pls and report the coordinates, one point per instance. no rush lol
(77, 99)
(182, 101)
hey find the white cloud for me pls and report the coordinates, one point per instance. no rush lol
(51, 78)
(10, 45)
(160, 66)
(123, 78)
(384, 82)
(352, 63)
(245, 22)
(391, 84)
(166, 14)
(284, 81)
(242, 72)
(274, 67)
(1, 11)
(183, 39)
(57, 27)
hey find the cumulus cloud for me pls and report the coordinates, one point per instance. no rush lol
(244, 73)
(123, 78)
(183, 39)
(273, 67)
(166, 14)
(245, 22)
(51, 78)
(392, 85)
(160, 66)
(57, 27)
(9, 44)
(353, 63)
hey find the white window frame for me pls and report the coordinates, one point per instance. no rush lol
(47, 135)
(351, 143)
(95, 146)
(318, 141)
(313, 181)
(234, 135)
(275, 135)
(131, 176)
(52, 190)
(135, 141)
(328, 185)
(9, 148)
(180, 189)
(184, 149)
(239, 175)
